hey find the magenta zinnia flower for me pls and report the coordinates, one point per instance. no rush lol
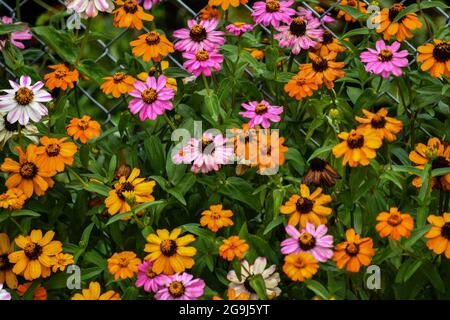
(152, 98)
(238, 27)
(16, 36)
(147, 278)
(261, 113)
(148, 3)
(385, 60)
(273, 12)
(202, 61)
(180, 286)
(310, 239)
(302, 33)
(199, 36)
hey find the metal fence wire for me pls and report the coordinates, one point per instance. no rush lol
(109, 55)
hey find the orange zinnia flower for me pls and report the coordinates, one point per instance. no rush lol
(226, 3)
(439, 234)
(270, 151)
(394, 224)
(26, 174)
(123, 264)
(328, 44)
(323, 69)
(233, 247)
(83, 129)
(61, 78)
(352, 3)
(55, 153)
(215, 218)
(130, 15)
(152, 45)
(400, 29)
(385, 127)
(94, 293)
(39, 293)
(300, 87)
(231, 294)
(300, 266)
(354, 252)
(118, 84)
(12, 199)
(435, 57)
(6, 274)
(210, 12)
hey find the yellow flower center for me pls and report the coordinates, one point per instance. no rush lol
(32, 250)
(168, 247)
(299, 263)
(149, 95)
(28, 170)
(83, 124)
(306, 241)
(152, 38)
(118, 77)
(201, 55)
(123, 262)
(176, 289)
(53, 149)
(239, 24)
(124, 189)
(441, 52)
(260, 108)
(24, 96)
(198, 33)
(150, 274)
(355, 140)
(394, 220)
(272, 6)
(60, 73)
(352, 249)
(385, 55)
(130, 6)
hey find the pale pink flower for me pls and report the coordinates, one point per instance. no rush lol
(16, 36)
(202, 62)
(272, 12)
(148, 3)
(90, 8)
(261, 113)
(238, 28)
(4, 295)
(180, 286)
(201, 35)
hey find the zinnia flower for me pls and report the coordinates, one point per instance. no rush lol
(39, 293)
(270, 276)
(438, 154)
(322, 69)
(261, 113)
(320, 173)
(358, 147)
(307, 207)
(237, 28)
(394, 224)
(385, 60)
(301, 33)
(231, 295)
(226, 3)
(199, 36)
(354, 252)
(130, 15)
(90, 8)
(300, 87)
(180, 286)
(6, 274)
(400, 29)
(12, 199)
(313, 240)
(61, 78)
(215, 218)
(24, 101)
(435, 57)
(271, 152)
(83, 129)
(152, 45)
(202, 62)
(328, 44)
(357, 4)
(54, 154)
(163, 65)
(36, 254)
(385, 127)
(273, 12)
(62, 260)
(118, 84)
(123, 264)
(300, 266)
(439, 234)
(94, 293)
(9, 130)
(26, 174)
(210, 12)
(233, 247)
(135, 188)
(4, 295)
(16, 36)
(169, 252)
(147, 278)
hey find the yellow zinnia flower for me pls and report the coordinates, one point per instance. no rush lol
(439, 234)
(300, 266)
(123, 264)
(6, 273)
(62, 261)
(94, 293)
(54, 154)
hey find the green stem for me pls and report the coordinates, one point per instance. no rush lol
(46, 6)
(379, 84)
(18, 10)
(136, 218)
(77, 105)
(291, 60)
(205, 82)
(84, 41)
(22, 230)
(169, 121)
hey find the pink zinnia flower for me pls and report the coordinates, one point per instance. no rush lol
(310, 239)
(261, 113)
(24, 101)
(385, 60)
(302, 12)
(202, 61)
(4, 295)
(180, 286)
(90, 8)
(16, 36)
(147, 278)
(152, 98)
(273, 12)
(201, 35)
(148, 3)
(208, 153)
(238, 27)
(301, 33)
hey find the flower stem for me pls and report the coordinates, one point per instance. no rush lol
(169, 121)
(205, 82)
(291, 60)
(18, 10)
(84, 41)
(379, 84)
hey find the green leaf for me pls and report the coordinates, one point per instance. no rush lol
(320, 151)
(155, 154)
(128, 214)
(59, 41)
(91, 69)
(354, 12)
(273, 224)
(271, 58)
(212, 105)
(416, 235)
(440, 172)
(195, 228)
(317, 288)
(8, 28)
(257, 283)
(97, 187)
(356, 32)
(24, 212)
(30, 291)
(409, 9)
(432, 274)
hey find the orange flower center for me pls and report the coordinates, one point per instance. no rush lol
(304, 205)
(298, 27)
(327, 37)
(24, 96)
(176, 289)
(62, 262)
(319, 64)
(394, 220)
(299, 263)
(53, 150)
(260, 108)
(306, 241)
(130, 6)
(378, 122)
(385, 55)
(201, 55)
(215, 215)
(355, 140)
(152, 38)
(60, 73)
(441, 52)
(118, 77)
(150, 274)
(32, 250)
(198, 33)
(123, 262)
(28, 170)
(4, 262)
(149, 95)
(445, 231)
(239, 24)
(395, 10)
(126, 186)
(352, 249)
(319, 9)
(168, 247)
(272, 6)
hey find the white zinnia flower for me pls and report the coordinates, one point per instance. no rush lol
(9, 130)
(24, 101)
(271, 278)
(4, 295)
(90, 8)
